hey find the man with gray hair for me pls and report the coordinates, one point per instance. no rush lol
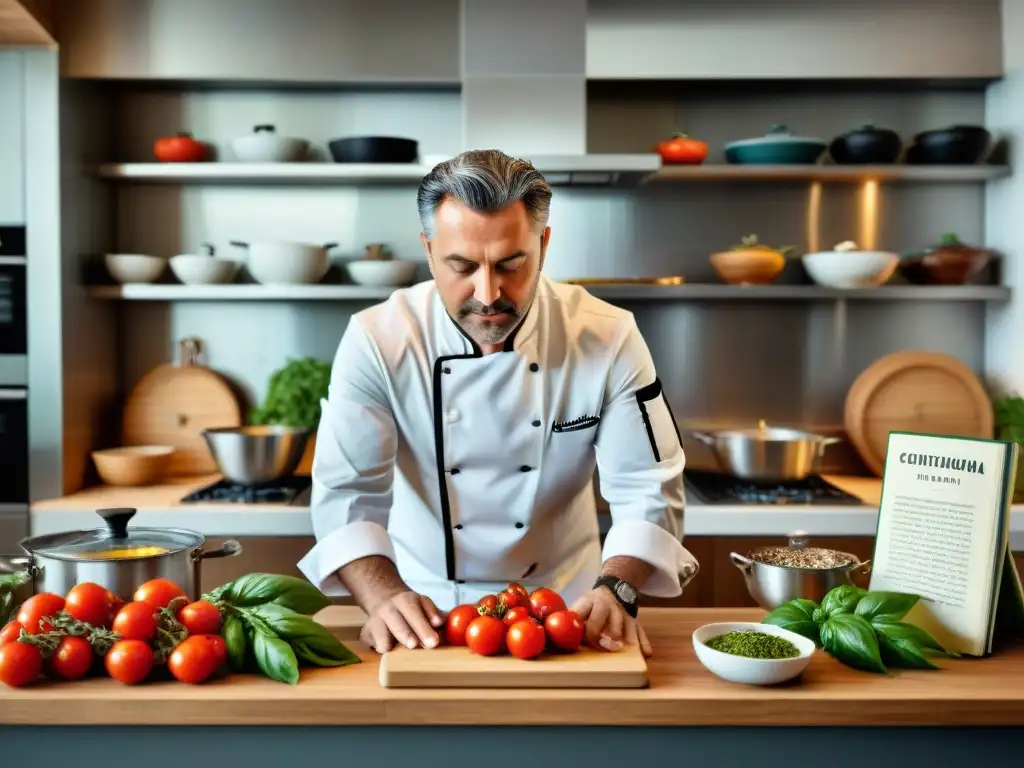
(465, 420)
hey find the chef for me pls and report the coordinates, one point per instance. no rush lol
(466, 417)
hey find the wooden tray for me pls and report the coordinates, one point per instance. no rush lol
(923, 392)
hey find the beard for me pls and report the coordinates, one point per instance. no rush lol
(473, 316)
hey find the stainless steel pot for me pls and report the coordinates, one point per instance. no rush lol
(104, 555)
(257, 454)
(773, 585)
(766, 453)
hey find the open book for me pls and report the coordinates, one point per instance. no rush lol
(944, 533)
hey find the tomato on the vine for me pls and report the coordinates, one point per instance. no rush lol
(219, 646)
(488, 603)
(10, 632)
(73, 658)
(525, 639)
(91, 603)
(512, 615)
(193, 660)
(200, 618)
(158, 592)
(458, 621)
(485, 635)
(517, 587)
(545, 601)
(39, 607)
(512, 598)
(129, 661)
(136, 621)
(20, 664)
(565, 630)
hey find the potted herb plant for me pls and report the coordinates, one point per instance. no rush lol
(293, 400)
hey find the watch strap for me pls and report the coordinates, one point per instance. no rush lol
(627, 595)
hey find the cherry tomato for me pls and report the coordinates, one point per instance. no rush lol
(517, 587)
(545, 601)
(511, 598)
(181, 148)
(10, 632)
(73, 658)
(129, 661)
(39, 607)
(200, 618)
(219, 646)
(488, 602)
(458, 620)
(683, 150)
(193, 660)
(485, 635)
(91, 603)
(20, 664)
(512, 615)
(136, 621)
(158, 592)
(565, 630)
(525, 639)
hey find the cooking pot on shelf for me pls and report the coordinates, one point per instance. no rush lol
(773, 585)
(766, 453)
(116, 557)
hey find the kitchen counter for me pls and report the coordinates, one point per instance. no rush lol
(160, 505)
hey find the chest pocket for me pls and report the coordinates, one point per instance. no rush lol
(572, 442)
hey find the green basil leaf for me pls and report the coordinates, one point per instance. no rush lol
(6, 607)
(796, 616)
(305, 652)
(842, 599)
(276, 659)
(289, 591)
(900, 652)
(14, 580)
(885, 606)
(902, 631)
(851, 639)
(234, 637)
(296, 628)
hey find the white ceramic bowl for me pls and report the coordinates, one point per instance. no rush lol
(382, 273)
(739, 669)
(200, 269)
(851, 269)
(265, 146)
(284, 263)
(134, 267)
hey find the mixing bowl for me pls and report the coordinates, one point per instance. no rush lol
(253, 455)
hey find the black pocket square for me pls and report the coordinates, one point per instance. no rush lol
(583, 422)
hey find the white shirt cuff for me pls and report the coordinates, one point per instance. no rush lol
(339, 548)
(674, 566)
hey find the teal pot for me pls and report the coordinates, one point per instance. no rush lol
(777, 147)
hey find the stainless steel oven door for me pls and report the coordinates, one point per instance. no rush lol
(13, 307)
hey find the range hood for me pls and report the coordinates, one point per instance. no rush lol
(595, 170)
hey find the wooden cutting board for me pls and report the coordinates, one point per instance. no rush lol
(174, 403)
(450, 667)
(923, 392)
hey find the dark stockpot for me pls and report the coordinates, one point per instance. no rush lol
(374, 149)
(116, 557)
(948, 263)
(866, 144)
(956, 145)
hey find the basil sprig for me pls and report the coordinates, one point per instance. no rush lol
(268, 626)
(862, 629)
(9, 582)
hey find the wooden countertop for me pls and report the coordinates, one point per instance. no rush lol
(682, 692)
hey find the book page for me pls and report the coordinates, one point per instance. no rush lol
(937, 533)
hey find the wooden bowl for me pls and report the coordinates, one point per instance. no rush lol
(748, 266)
(133, 465)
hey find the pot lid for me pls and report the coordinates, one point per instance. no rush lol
(114, 542)
(776, 134)
(763, 432)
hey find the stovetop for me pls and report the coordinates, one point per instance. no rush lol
(714, 488)
(283, 491)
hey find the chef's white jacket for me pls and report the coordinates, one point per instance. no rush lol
(469, 471)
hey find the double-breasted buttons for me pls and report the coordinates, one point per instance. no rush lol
(534, 367)
(458, 526)
(455, 470)
(536, 422)
(446, 369)
(519, 525)
(525, 468)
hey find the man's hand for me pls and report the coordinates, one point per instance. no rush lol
(405, 617)
(607, 623)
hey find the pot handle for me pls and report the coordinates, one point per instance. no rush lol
(117, 519)
(239, 243)
(328, 246)
(15, 563)
(741, 562)
(825, 442)
(864, 564)
(227, 549)
(704, 437)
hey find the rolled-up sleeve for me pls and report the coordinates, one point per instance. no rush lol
(353, 466)
(640, 463)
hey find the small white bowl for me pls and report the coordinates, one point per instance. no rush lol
(200, 269)
(740, 669)
(851, 269)
(382, 273)
(134, 267)
(263, 145)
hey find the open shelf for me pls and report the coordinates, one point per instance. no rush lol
(691, 292)
(847, 173)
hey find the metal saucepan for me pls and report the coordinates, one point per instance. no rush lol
(257, 454)
(116, 557)
(772, 585)
(766, 453)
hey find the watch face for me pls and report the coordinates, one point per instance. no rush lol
(625, 592)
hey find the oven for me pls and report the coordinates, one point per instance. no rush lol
(14, 447)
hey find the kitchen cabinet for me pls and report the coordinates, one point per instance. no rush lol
(12, 138)
(801, 39)
(302, 41)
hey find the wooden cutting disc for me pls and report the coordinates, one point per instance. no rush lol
(923, 392)
(173, 404)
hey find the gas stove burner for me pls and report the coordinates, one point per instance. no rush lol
(283, 491)
(713, 488)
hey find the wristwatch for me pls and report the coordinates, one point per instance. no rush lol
(624, 592)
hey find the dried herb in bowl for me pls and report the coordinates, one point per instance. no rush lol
(802, 557)
(754, 645)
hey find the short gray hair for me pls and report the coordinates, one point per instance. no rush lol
(485, 180)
